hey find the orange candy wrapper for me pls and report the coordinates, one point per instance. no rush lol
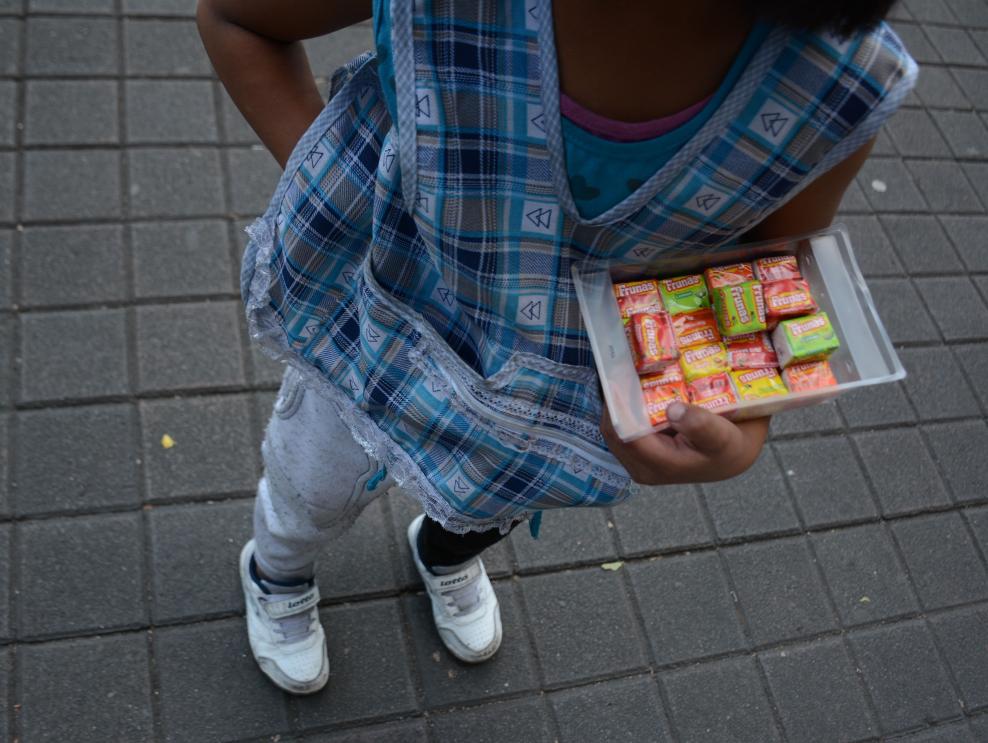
(751, 351)
(713, 392)
(660, 394)
(637, 296)
(732, 275)
(756, 384)
(702, 361)
(814, 375)
(787, 298)
(695, 328)
(654, 341)
(777, 268)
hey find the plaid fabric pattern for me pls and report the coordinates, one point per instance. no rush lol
(420, 269)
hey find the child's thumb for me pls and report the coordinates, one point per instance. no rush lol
(708, 433)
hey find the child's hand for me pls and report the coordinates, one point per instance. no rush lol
(701, 447)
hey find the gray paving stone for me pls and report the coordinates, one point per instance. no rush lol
(978, 518)
(194, 556)
(170, 111)
(254, 175)
(779, 590)
(915, 135)
(817, 693)
(622, 710)
(970, 12)
(944, 186)
(160, 7)
(212, 452)
(854, 200)
(921, 244)
(235, 128)
(967, 236)
(687, 607)
(942, 559)
(956, 307)
(955, 46)
(572, 536)
(263, 369)
(963, 638)
(412, 731)
(167, 360)
(7, 197)
(210, 686)
(949, 733)
(974, 84)
(79, 690)
(754, 503)
(70, 6)
(81, 264)
(902, 472)
(720, 701)
(965, 132)
(7, 361)
(447, 681)
(900, 192)
(866, 578)
(360, 562)
(937, 89)
(56, 346)
(10, 46)
(960, 447)
(71, 112)
(660, 519)
(918, 44)
(929, 10)
(936, 385)
(826, 480)
(5, 500)
(6, 701)
(904, 675)
(6, 630)
(71, 184)
(11, 6)
(175, 182)
(977, 174)
(80, 574)
(76, 459)
(818, 418)
(326, 53)
(164, 47)
(576, 638)
(8, 112)
(877, 405)
(521, 719)
(6, 262)
(883, 144)
(71, 46)
(902, 312)
(974, 360)
(178, 259)
(369, 657)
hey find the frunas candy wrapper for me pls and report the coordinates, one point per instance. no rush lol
(655, 340)
(684, 294)
(787, 298)
(825, 261)
(777, 268)
(814, 375)
(739, 308)
(637, 296)
(802, 339)
(695, 328)
(752, 351)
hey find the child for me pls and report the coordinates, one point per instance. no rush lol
(414, 265)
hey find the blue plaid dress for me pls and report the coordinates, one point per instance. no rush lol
(417, 270)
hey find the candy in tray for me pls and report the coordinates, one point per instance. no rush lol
(757, 384)
(662, 390)
(654, 341)
(804, 339)
(731, 275)
(637, 296)
(777, 268)
(684, 294)
(713, 392)
(787, 298)
(739, 308)
(813, 375)
(695, 328)
(752, 351)
(702, 361)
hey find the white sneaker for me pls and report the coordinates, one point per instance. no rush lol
(464, 605)
(285, 635)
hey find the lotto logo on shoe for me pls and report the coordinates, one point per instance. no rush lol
(453, 581)
(297, 603)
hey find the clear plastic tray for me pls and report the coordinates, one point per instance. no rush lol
(826, 260)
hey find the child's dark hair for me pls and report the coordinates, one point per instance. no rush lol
(844, 17)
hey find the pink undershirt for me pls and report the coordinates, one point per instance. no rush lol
(624, 131)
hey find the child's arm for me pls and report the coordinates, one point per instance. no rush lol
(705, 447)
(254, 46)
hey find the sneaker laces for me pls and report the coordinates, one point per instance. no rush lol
(463, 598)
(295, 627)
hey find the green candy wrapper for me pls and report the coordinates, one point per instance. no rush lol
(684, 294)
(740, 309)
(800, 339)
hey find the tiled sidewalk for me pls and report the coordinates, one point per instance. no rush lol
(838, 591)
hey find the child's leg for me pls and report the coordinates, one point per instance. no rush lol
(316, 482)
(439, 548)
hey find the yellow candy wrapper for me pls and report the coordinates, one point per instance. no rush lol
(757, 384)
(702, 361)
